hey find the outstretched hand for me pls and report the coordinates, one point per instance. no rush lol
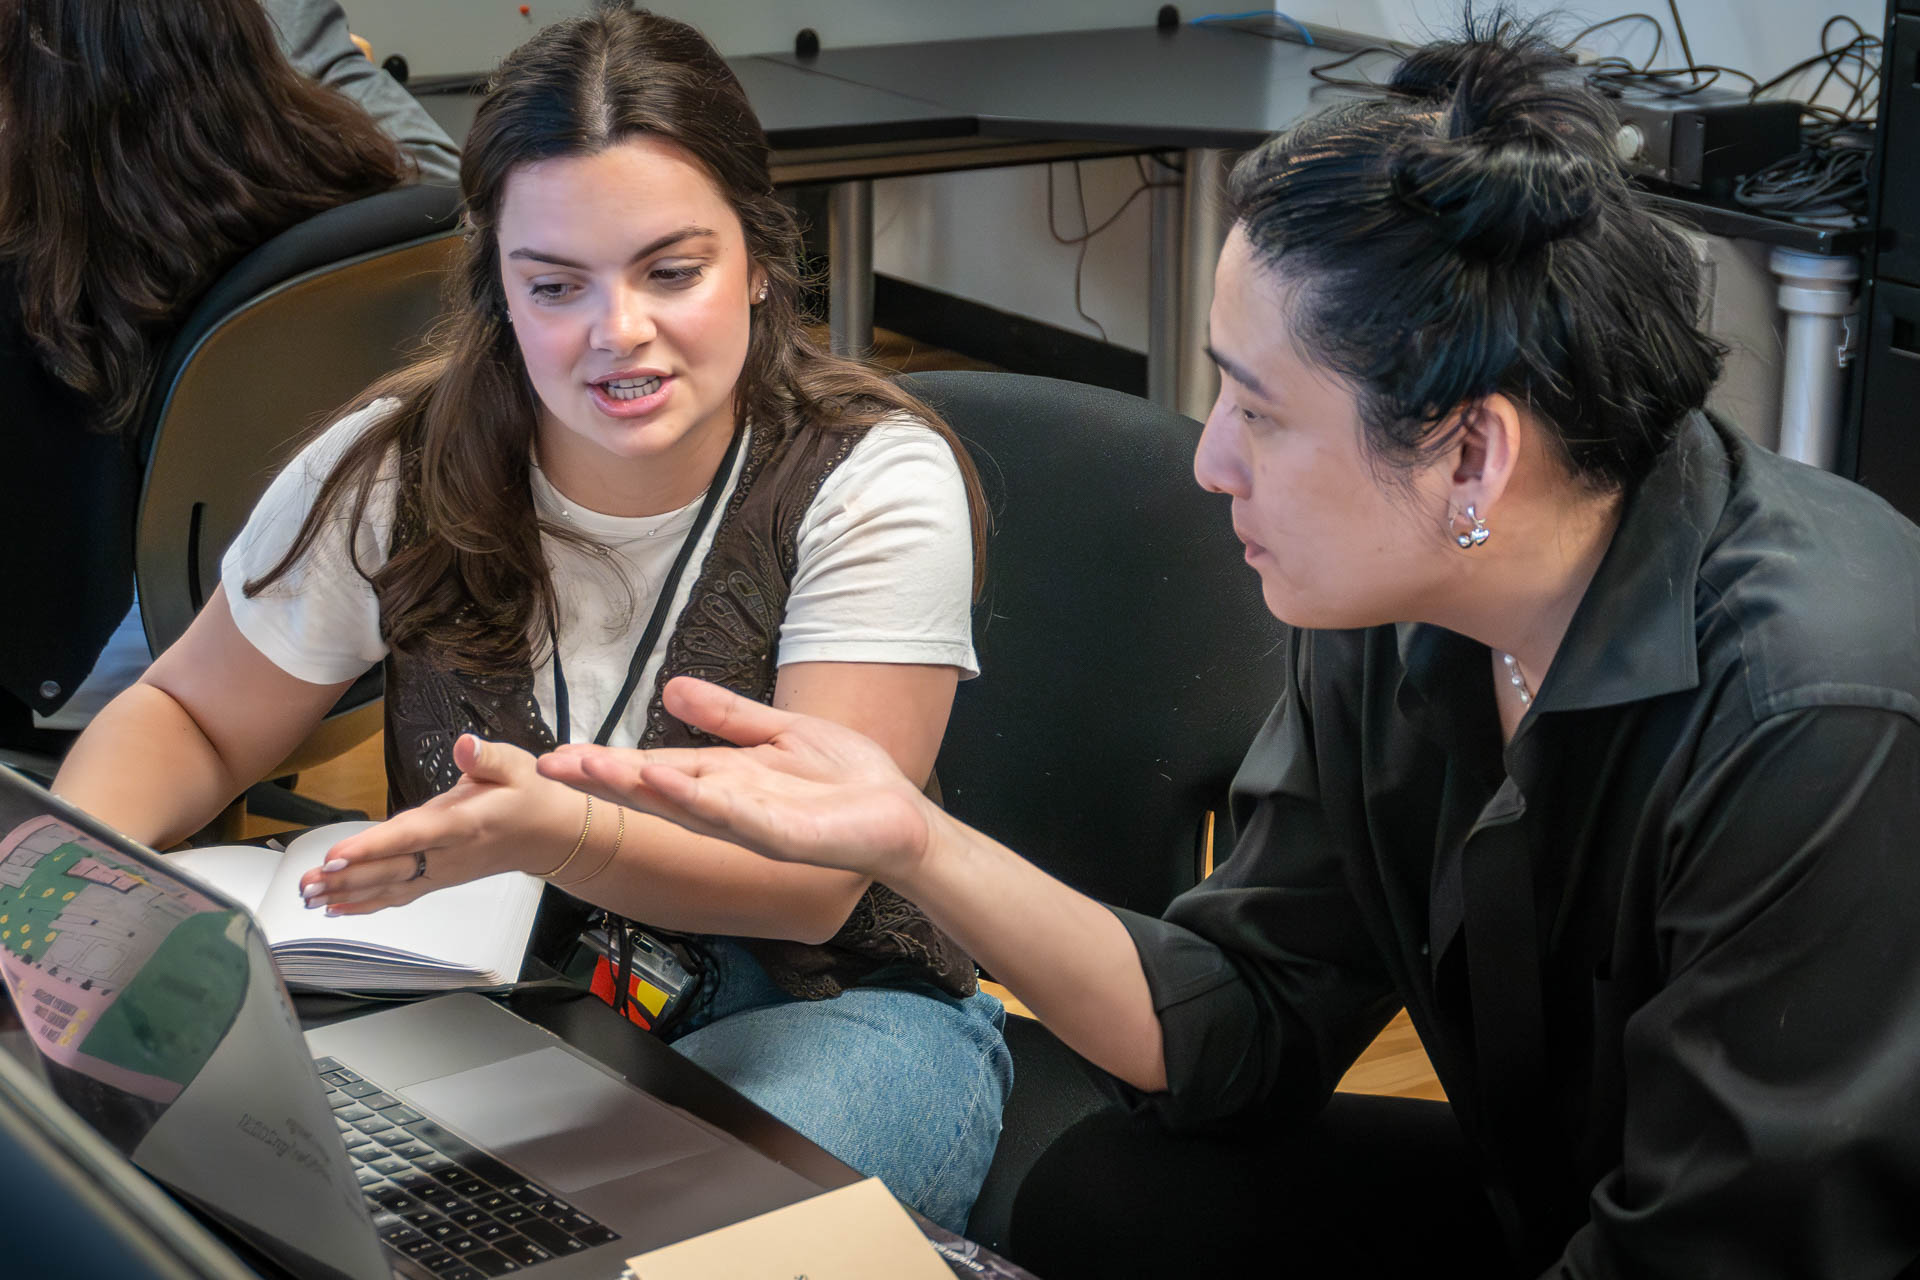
(500, 816)
(798, 788)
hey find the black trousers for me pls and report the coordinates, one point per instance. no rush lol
(1373, 1186)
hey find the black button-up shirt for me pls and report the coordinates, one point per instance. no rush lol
(1663, 947)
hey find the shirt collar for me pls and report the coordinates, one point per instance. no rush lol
(1633, 635)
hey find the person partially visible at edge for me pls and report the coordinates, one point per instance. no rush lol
(1600, 753)
(624, 461)
(314, 36)
(145, 148)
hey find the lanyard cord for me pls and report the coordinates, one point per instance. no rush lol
(562, 714)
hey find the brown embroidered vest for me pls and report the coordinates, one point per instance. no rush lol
(728, 633)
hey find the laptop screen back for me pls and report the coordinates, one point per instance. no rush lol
(160, 1019)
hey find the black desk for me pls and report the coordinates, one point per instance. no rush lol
(1185, 87)
(1208, 91)
(1723, 218)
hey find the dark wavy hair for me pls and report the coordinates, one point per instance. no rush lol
(472, 590)
(146, 145)
(1470, 232)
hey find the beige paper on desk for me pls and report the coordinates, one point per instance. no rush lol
(854, 1233)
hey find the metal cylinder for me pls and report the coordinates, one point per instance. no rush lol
(1816, 294)
(850, 268)
(1164, 234)
(1204, 192)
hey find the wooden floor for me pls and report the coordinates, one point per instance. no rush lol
(1394, 1064)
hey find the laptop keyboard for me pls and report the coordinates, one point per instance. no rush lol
(439, 1200)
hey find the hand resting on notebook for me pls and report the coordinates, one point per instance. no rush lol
(500, 816)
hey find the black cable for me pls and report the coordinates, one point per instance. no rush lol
(1320, 72)
(1856, 49)
(1853, 64)
(1667, 82)
(1680, 29)
(1088, 231)
(1826, 180)
(1659, 34)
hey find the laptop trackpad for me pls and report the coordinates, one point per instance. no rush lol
(560, 1120)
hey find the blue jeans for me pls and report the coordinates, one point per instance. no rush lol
(903, 1082)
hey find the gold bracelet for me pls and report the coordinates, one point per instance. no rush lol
(578, 845)
(619, 834)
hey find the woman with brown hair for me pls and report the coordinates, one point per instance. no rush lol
(625, 461)
(144, 148)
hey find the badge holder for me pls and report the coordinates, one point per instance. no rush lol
(636, 973)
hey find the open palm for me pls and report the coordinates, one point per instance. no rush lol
(797, 788)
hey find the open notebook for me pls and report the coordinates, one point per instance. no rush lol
(469, 935)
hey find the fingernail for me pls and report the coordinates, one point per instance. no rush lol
(333, 911)
(309, 890)
(311, 905)
(334, 864)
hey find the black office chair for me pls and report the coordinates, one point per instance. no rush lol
(1127, 661)
(291, 333)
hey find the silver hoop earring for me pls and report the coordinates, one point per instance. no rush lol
(1468, 539)
(764, 288)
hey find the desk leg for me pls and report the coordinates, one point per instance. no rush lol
(1165, 234)
(850, 268)
(1204, 192)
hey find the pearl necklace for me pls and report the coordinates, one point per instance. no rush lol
(1517, 679)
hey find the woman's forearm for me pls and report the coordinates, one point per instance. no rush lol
(1063, 954)
(144, 767)
(211, 717)
(666, 876)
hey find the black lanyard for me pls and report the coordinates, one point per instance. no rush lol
(563, 719)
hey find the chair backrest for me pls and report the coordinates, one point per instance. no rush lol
(1126, 656)
(291, 333)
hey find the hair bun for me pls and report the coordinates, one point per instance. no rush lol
(1519, 155)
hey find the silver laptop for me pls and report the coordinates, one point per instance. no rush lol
(445, 1139)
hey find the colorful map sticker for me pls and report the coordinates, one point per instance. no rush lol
(127, 981)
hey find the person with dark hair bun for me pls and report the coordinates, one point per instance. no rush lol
(1600, 754)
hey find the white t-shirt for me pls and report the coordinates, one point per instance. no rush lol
(884, 572)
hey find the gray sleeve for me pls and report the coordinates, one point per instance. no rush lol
(313, 35)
